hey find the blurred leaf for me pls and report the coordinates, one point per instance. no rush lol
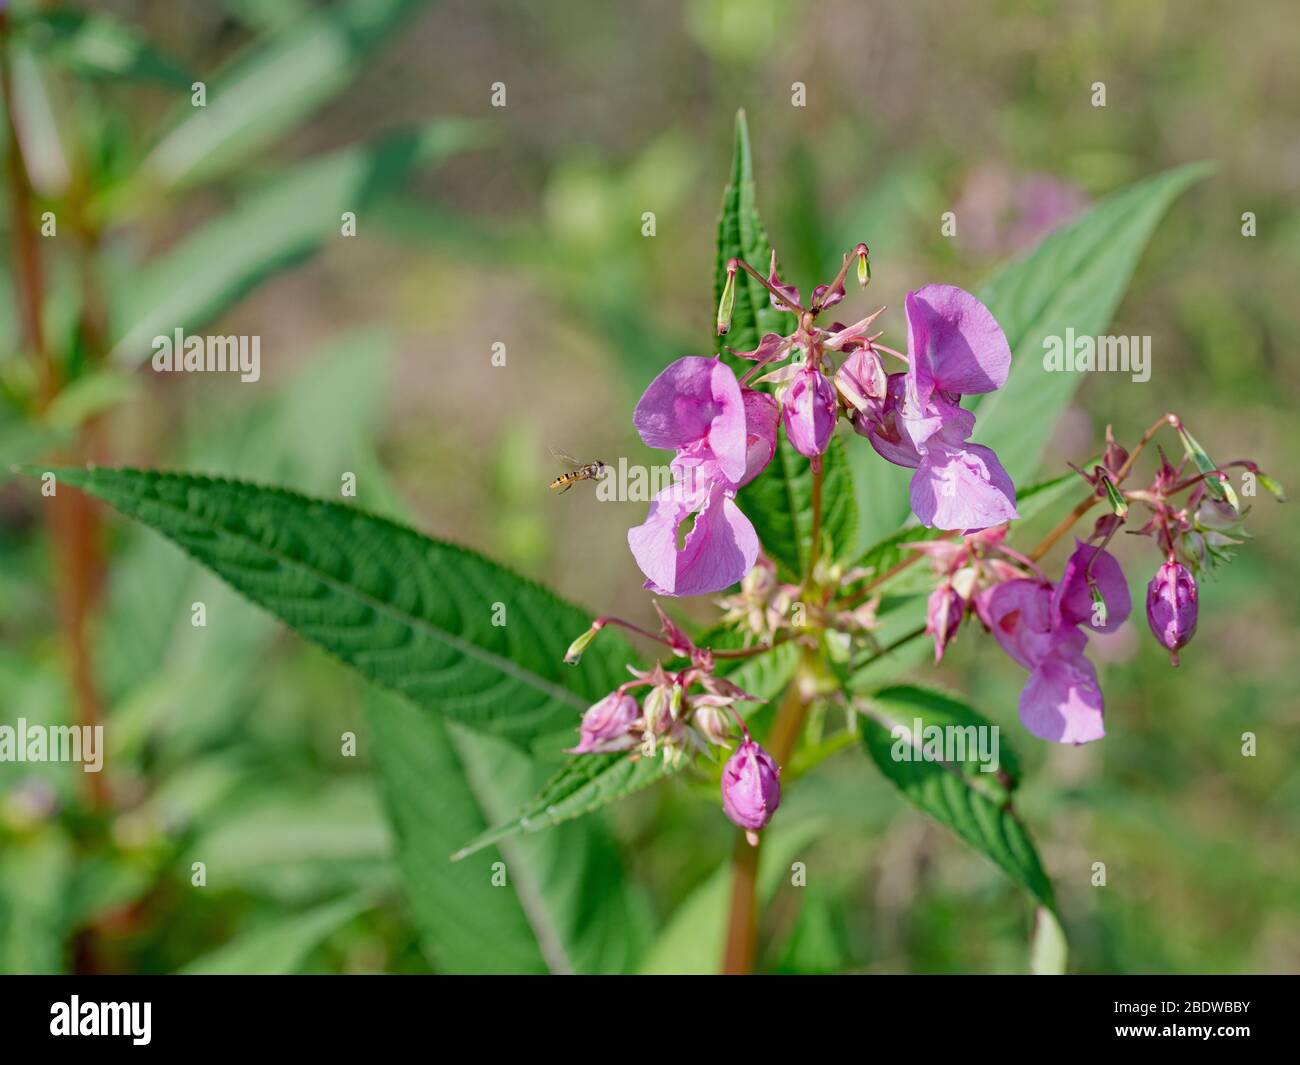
(289, 218)
(1073, 280)
(99, 45)
(1048, 949)
(565, 905)
(586, 783)
(779, 503)
(693, 940)
(411, 614)
(91, 394)
(959, 795)
(267, 91)
(280, 947)
(35, 873)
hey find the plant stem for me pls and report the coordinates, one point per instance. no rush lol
(72, 519)
(742, 917)
(814, 549)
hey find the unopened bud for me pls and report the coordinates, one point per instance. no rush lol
(751, 786)
(574, 654)
(864, 264)
(943, 617)
(1172, 607)
(728, 302)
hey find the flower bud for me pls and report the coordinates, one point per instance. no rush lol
(943, 617)
(605, 726)
(861, 380)
(751, 789)
(864, 264)
(809, 409)
(1172, 607)
(727, 304)
(574, 654)
(713, 723)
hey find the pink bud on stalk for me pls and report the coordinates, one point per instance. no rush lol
(943, 617)
(751, 788)
(606, 724)
(1172, 607)
(810, 412)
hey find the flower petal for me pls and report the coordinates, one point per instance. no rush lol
(694, 401)
(1019, 614)
(1073, 600)
(962, 487)
(1062, 700)
(719, 550)
(762, 415)
(955, 343)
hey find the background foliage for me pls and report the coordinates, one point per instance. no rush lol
(523, 225)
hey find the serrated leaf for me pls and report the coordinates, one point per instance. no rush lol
(779, 503)
(958, 794)
(586, 783)
(741, 235)
(287, 219)
(410, 613)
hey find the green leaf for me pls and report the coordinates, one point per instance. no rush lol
(975, 805)
(99, 46)
(586, 783)
(1073, 280)
(280, 947)
(564, 906)
(286, 220)
(412, 614)
(779, 503)
(694, 938)
(741, 235)
(268, 90)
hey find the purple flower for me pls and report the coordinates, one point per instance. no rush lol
(956, 348)
(724, 436)
(809, 407)
(605, 726)
(943, 617)
(1172, 607)
(751, 788)
(1038, 625)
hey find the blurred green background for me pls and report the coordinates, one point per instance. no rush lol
(523, 225)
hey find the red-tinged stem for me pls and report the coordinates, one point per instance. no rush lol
(776, 292)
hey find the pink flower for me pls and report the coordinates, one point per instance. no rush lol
(810, 410)
(751, 788)
(956, 348)
(724, 436)
(1038, 625)
(605, 726)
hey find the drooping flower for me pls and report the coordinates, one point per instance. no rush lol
(1172, 607)
(723, 437)
(1041, 627)
(955, 348)
(751, 787)
(809, 409)
(606, 725)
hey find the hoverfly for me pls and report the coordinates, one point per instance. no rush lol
(580, 471)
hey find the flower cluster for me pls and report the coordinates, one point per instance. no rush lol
(724, 433)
